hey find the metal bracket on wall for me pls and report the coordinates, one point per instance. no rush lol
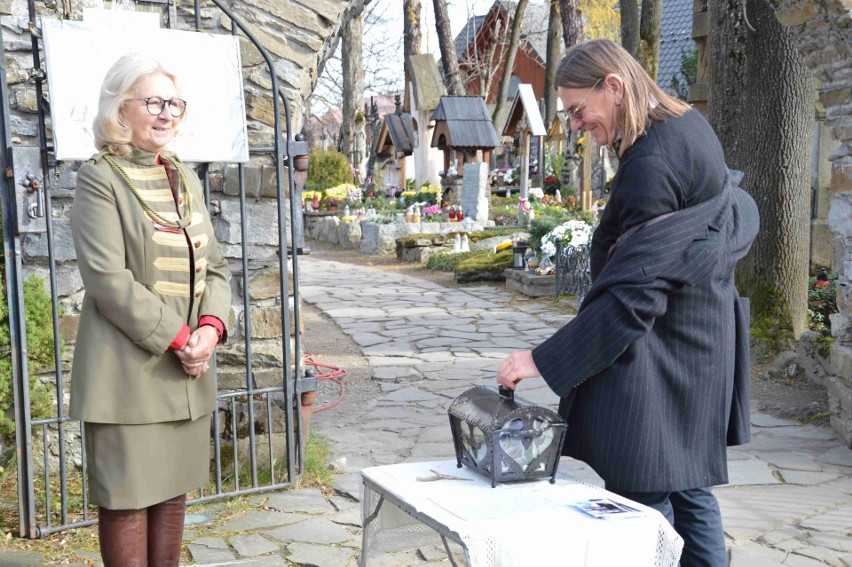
(29, 189)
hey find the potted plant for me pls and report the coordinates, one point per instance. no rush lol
(433, 213)
(331, 203)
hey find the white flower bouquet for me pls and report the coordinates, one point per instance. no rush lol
(573, 233)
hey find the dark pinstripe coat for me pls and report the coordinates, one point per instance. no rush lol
(654, 370)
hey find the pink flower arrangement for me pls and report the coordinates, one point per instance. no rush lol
(433, 213)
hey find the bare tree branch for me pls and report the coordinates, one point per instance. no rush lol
(449, 60)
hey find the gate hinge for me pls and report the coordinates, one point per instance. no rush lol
(34, 29)
(9, 172)
(36, 74)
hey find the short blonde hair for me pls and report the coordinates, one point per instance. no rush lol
(588, 63)
(111, 134)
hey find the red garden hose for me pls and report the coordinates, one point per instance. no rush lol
(334, 373)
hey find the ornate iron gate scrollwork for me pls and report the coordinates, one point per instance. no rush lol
(573, 273)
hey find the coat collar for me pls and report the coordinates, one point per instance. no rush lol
(145, 158)
(733, 214)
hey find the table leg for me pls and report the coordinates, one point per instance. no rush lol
(449, 553)
(373, 515)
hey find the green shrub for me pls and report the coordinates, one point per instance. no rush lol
(327, 168)
(553, 163)
(380, 203)
(491, 232)
(485, 266)
(39, 321)
(504, 214)
(498, 201)
(447, 261)
(553, 217)
(822, 302)
(540, 226)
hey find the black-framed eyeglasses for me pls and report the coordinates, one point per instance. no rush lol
(156, 105)
(577, 111)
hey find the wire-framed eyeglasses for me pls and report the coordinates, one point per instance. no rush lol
(577, 111)
(156, 105)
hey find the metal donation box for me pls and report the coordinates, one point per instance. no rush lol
(503, 437)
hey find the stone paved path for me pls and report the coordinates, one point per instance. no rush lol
(789, 501)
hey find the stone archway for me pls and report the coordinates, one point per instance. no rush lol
(822, 29)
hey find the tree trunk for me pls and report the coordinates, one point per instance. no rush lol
(726, 77)
(553, 28)
(498, 117)
(449, 59)
(629, 10)
(771, 144)
(352, 128)
(411, 32)
(490, 59)
(353, 10)
(648, 52)
(572, 22)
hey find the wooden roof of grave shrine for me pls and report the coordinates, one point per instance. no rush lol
(524, 105)
(560, 127)
(463, 122)
(425, 87)
(397, 133)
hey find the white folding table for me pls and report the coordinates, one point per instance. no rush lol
(523, 523)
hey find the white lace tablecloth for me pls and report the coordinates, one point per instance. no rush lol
(522, 523)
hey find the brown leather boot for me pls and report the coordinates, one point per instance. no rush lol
(123, 536)
(165, 532)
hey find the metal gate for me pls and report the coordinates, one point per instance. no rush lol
(257, 429)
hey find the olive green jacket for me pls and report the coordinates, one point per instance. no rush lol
(143, 281)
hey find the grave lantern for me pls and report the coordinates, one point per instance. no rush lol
(519, 250)
(503, 437)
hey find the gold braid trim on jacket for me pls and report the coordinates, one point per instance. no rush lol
(152, 214)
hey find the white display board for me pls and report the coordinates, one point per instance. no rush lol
(78, 55)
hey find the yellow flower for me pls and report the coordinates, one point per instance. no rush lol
(581, 140)
(339, 191)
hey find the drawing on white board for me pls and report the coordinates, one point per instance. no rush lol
(208, 68)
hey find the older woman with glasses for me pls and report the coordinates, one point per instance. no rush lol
(157, 296)
(653, 371)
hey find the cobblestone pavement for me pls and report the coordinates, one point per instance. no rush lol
(789, 501)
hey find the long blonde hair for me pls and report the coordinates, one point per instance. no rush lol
(588, 63)
(111, 133)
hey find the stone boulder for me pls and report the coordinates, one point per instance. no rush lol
(331, 224)
(380, 239)
(349, 235)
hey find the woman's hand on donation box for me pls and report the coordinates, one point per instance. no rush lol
(195, 355)
(516, 367)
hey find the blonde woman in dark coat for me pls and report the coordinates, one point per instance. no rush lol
(157, 296)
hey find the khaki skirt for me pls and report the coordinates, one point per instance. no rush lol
(135, 466)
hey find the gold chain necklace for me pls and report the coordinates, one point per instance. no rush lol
(152, 214)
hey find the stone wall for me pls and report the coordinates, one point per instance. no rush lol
(822, 29)
(374, 239)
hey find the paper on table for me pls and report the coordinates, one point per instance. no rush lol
(539, 499)
(605, 508)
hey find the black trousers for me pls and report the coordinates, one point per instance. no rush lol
(696, 518)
